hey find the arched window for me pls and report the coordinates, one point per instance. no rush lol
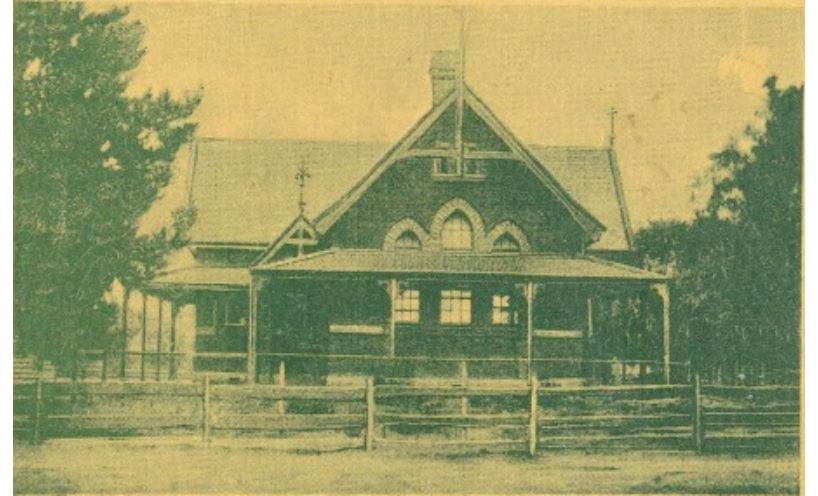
(506, 244)
(456, 233)
(407, 241)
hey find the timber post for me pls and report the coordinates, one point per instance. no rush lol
(369, 439)
(104, 372)
(144, 336)
(37, 414)
(464, 400)
(532, 417)
(281, 405)
(123, 364)
(174, 311)
(159, 330)
(587, 348)
(206, 409)
(529, 298)
(664, 294)
(464, 379)
(698, 427)
(393, 296)
(251, 332)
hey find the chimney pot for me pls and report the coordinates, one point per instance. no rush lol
(443, 71)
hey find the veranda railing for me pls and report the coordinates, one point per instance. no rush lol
(315, 367)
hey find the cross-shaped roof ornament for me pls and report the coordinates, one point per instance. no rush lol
(301, 176)
(612, 137)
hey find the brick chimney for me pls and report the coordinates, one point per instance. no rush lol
(443, 71)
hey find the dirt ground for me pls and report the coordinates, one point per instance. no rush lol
(185, 465)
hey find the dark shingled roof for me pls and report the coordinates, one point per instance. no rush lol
(244, 190)
(466, 263)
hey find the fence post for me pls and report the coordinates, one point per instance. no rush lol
(369, 440)
(532, 418)
(281, 405)
(38, 413)
(464, 379)
(698, 428)
(104, 365)
(206, 408)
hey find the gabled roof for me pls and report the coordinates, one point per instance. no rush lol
(591, 175)
(245, 192)
(586, 220)
(535, 265)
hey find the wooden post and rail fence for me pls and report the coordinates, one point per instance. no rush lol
(526, 417)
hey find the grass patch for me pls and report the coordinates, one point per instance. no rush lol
(312, 465)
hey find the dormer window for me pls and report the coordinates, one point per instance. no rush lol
(407, 241)
(457, 233)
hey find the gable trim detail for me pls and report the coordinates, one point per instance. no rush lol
(588, 222)
(285, 238)
(402, 148)
(327, 218)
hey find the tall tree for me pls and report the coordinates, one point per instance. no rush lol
(738, 264)
(89, 160)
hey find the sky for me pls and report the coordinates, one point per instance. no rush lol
(684, 80)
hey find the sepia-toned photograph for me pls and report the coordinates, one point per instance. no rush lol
(335, 248)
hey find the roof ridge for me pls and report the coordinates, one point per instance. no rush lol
(571, 147)
(211, 139)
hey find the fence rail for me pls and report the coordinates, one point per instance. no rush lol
(531, 418)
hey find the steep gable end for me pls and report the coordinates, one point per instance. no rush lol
(480, 124)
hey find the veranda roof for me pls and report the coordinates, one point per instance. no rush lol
(452, 263)
(205, 277)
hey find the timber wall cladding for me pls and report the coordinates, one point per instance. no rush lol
(407, 189)
(531, 418)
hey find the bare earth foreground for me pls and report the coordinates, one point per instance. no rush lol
(162, 465)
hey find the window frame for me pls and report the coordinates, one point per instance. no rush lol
(501, 306)
(506, 236)
(402, 308)
(437, 167)
(417, 246)
(453, 313)
(445, 229)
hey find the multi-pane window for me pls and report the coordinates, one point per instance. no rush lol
(407, 306)
(456, 233)
(506, 243)
(407, 241)
(501, 309)
(455, 306)
(444, 166)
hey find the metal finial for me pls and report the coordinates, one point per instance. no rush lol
(612, 137)
(301, 176)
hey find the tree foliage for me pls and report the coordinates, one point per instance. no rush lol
(89, 160)
(737, 291)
